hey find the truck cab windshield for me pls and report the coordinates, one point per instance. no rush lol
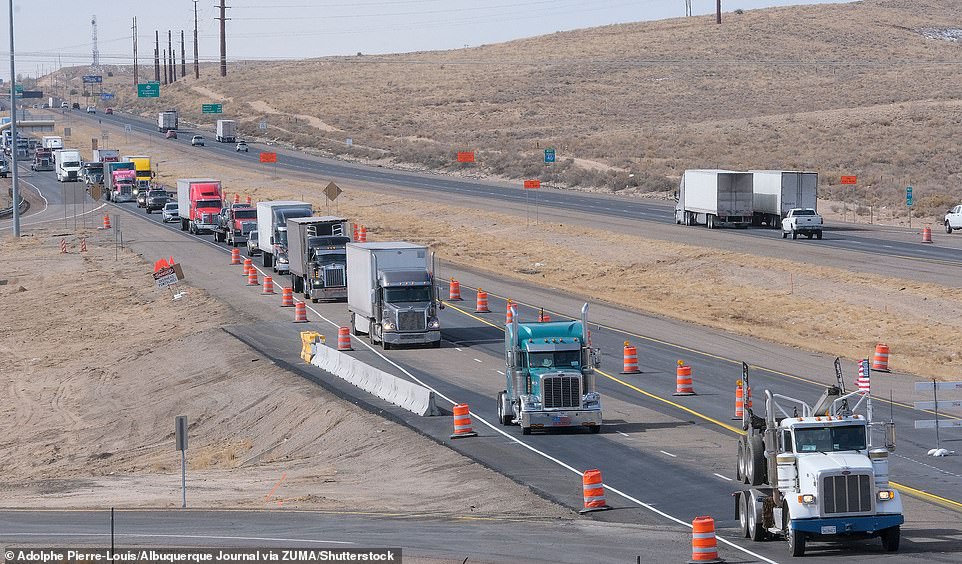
(209, 204)
(407, 294)
(830, 439)
(554, 359)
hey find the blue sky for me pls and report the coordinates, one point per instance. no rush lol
(59, 30)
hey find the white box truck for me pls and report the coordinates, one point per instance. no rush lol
(714, 198)
(776, 192)
(167, 121)
(66, 163)
(226, 131)
(272, 230)
(52, 142)
(391, 294)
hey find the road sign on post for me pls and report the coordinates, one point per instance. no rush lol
(549, 156)
(532, 184)
(465, 156)
(849, 180)
(332, 191)
(268, 157)
(149, 90)
(212, 108)
(180, 437)
(908, 195)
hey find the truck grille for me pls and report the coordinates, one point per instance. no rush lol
(847, 494)
(247, 227)
(334, 278)
(561, 391)
(410, 321)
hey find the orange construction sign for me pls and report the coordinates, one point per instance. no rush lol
(268, 157)
(849, 180)
(532, 184)
(465, 156)
(162, 264)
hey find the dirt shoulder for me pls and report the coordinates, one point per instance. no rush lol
(96, 362)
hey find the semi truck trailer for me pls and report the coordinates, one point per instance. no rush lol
(714, 198)
(776, 192)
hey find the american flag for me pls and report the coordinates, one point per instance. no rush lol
(864, 377)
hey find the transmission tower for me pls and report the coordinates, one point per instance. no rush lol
(95, 64)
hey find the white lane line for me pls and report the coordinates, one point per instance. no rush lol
(504, 434)
(458, 349)
(163, 536)
(722, 477)
(499, 372)
(624, 434)
(478, 360)
(669, 454)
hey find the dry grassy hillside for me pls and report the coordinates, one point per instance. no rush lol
(870, 88)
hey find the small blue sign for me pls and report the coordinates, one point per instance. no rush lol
(908, 196)
(106, 95)
(549, 156)
(92, 79)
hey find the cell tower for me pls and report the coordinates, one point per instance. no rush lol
(93, 36)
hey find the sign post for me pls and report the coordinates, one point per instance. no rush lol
(908, 203)
(180, 437)
(332, 191)
(531, 185)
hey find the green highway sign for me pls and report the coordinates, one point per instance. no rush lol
(149, 90)
(212, 108)
(549, 156)
(908, 196)
(18, 88)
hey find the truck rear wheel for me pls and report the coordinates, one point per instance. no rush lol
(818, 235)
(890, 538)
(504, 408)
(756, 531)
(710, 221)
(740, 463)
(743, 513)
(755, 461)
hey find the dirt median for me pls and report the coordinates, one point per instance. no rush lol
(96, 362)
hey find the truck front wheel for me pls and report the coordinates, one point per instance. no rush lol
(890, 538)
(794, 234)
(504, 408)
(796, 541)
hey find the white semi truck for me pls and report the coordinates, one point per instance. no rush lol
(67, 165)
(812, 472)
(167, 121)
(714, 198)
(776, 192)
(226, 131)
(391, 294)
(272, 219)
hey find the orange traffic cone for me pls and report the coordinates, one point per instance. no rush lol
(248, 200)
(235, 256)
(300, 313)
(106, 222)
(83, 244)
(462, 422)
(287, 297)
(683, 385)
(454, 291)
(631, 360)
(236, 198)
(543, 317)
(248, 266)
(355, 231)
(594, 491)
(252, 277)
(739, 400)
(63, 246)
(268, 286)
(362, 234)
(482, 305)
(344, 339)
(926, 234)
(880, 362)
(704, 546)
(509, 312)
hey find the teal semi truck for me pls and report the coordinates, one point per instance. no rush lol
(550, 373)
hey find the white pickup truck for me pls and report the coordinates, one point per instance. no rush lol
(802, 220)
(953, 219)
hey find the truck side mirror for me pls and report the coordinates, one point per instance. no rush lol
(890, 436)
(437, 296)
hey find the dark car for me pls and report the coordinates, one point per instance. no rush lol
(75, 105)
(109, 111)
(142, 199)
(156, 199)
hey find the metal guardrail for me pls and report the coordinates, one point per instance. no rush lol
(24, 206)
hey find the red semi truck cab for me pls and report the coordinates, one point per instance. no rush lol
(200, 201)
(123, 185)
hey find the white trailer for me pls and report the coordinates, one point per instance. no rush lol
(776, 192)
(391, 293)
(714, 198)
(226, 131)
(167, 121)
(272, 219)
(52, 142)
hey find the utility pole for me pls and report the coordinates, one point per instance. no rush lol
(196, 60)
(687, 8)
(136, 81)
(156, 56)
(13, 133)
(170, 57)
(717, 11)
(183, 57)
(165, 65)
(223, 37)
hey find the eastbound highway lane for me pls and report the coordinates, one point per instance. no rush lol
(679, 464)
(490, 539)
(883, 243)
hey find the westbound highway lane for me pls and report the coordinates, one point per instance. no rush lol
(882, 243)
(656, 457)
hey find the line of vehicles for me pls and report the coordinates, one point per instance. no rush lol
(810, 472)
(771, 198)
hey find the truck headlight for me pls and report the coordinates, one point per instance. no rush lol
(592, 399)
(886, 495)
(807, 499)
(387, 325)
(434, 323)
(531, 402)
(282, 259)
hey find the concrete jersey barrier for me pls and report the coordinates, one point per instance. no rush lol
(408, 395)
